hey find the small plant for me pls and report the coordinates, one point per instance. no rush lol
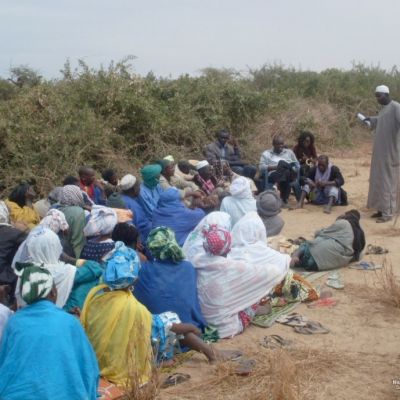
(388, 286)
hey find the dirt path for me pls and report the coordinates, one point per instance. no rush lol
(360, 357)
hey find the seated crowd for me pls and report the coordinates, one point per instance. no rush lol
(108, 277)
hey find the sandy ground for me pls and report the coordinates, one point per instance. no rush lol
(365, 333)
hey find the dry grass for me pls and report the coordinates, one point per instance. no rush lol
(278, 375)
(387, 286)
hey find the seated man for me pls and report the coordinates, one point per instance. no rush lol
(323, 185)
(279, 166)
(225, 148)
(92, 187)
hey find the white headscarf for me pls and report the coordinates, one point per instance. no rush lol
(44, 248)
(250, 245)
(4, 214)
(102, 221)
(240, 188)
(225, 286)
(55, 220)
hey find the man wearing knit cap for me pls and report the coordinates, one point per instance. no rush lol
(385, 163)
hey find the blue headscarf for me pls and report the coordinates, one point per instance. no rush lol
(122, 267)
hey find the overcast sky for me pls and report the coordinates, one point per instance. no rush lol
(171, 37)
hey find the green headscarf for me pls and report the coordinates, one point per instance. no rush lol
(151, 175)
(163, 246)
(36, 282)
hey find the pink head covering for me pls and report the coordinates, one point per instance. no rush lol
(217, 241)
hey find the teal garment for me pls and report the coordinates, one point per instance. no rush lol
(86, 277)
(75, 217)
(307, 260)
(46, 355)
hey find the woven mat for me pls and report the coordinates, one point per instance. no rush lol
(266, 321)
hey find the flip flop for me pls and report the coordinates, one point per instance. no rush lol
(311, 328)
(275, 342)
(245, 367)
(175, 379)
(366, 266)
(371, 249)
(326, 302)
(229, 355)
(292, 319)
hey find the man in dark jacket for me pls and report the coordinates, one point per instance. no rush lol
(323, 185)
(226, 149)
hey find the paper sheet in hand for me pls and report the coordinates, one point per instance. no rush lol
(362, 118)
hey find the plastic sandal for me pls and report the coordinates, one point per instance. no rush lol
(371, 249)
(327, 302)
(275, 342)
(366, 266)
(293, 319)
(311, 328)
(175, 379)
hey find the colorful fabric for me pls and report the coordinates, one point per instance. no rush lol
(172, 213)
(102, 221)
(151, 175)
(247, 315)
(36, 282)
(45, 354)
(24, 214)
(217, 241)
(162, 338)
(163, 246)
(71, 195)
(119, 328)
(55, 220)
(122, 267)
(166, 286)
(95, 251)
(4, 214)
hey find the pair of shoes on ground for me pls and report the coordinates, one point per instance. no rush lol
(302, 324)
(380, 218)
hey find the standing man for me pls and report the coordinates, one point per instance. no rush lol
(385, 162)
(226, 148)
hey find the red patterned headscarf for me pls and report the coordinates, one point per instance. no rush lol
(217, 241)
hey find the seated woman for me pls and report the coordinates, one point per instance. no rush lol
(44, 352)
(172, 213)
(20, 204)
(305, 151)
(240, 201)
(333, 247)
(150, 189)
(99, 227)
(122, 330)
(10, 239)
(229, 289)
(73, 284)
(169, 282)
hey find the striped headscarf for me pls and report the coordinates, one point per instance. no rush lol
(36, 282)
(217, 241)
(72, 195)
(4, 214)
(55, 220)
(163, 246)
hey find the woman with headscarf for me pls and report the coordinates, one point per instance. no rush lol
(44, 352)
(10, 239)
(229, 289)
(20, 204)
(268, 207)
(99, 228)
(73, 284)
(150, 189)
(168, 283)
(240, 201)
(172, 213)
(333, 247)
(71, 204)
(55, 221)
(123, 331)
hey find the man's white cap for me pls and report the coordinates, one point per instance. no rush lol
(202, 164)
(127, 182)
(382, 89)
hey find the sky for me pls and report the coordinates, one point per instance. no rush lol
(174, 37)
